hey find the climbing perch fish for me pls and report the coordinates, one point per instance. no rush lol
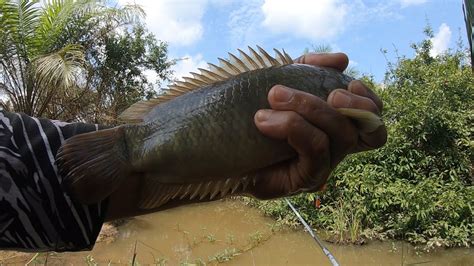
(198, 140)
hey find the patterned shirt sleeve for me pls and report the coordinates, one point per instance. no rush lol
(35, 212)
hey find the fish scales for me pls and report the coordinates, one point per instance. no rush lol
(197, 140)
(211, 133)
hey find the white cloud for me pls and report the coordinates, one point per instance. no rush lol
(188, 64)
(244, 23)
(372, 11)
(151, 75)
(175, 21)
(406, 3)
(315, 20)
(441, 40)
(181, 69)
(318, 21)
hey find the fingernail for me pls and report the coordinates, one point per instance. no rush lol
(283, 94)
(357, 87)
(263, 115)
(341, 100)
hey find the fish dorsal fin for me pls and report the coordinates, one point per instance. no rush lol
(137, 111)
(227, 69)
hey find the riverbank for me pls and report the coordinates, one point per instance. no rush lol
(233, 233)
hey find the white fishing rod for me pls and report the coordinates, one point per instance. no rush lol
(315, 237)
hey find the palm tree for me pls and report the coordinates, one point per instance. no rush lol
(37, 63)
(468, 8)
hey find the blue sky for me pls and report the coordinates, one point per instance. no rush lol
(202, 30)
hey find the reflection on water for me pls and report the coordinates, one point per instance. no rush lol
(231, 232)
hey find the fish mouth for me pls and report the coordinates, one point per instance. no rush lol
(163, 193)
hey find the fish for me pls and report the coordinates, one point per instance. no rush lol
(198, 140)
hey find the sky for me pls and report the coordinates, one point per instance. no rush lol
(203, 30)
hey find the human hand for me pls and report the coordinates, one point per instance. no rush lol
(321, 136)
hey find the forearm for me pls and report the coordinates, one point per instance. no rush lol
(35, 213)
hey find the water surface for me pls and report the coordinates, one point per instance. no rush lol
(235, 234)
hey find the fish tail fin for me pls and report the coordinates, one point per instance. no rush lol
(93, 164)
(367, 121)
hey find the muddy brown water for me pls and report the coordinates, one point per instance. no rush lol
(232, 233)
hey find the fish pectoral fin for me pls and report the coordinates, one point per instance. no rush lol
(366, 121)
(93, 164)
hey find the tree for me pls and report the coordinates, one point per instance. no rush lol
(57, 60)
(119, 66)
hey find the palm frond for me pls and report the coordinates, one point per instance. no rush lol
(129, 13)
(18, 23)
(352, 71)
(52, 21)
(55, 17)
(56, 73)
(60, 68)
(322, 48)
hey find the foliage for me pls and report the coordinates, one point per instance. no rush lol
(119, 70)
(419, 186)
(76, 60)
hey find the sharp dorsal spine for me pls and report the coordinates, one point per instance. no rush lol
(226, 70)
(235, 66)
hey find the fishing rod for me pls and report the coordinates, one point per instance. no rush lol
(315, 237)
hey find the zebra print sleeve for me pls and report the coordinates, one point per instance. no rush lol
(35, 213)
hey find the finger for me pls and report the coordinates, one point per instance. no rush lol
(373, 140)
(379, 137)
(341, 98)
(344, 99)
(276, 124)
(358, 88)
(340, 129)
(312, 145)
(338, 61)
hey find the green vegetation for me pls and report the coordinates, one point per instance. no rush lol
(211, 238)
(233, 247)
(226, 255)
(419, 186)
(76, 60)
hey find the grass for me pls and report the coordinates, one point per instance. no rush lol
(346, 228)
(234, 250)
(225, 255)
(211, 238)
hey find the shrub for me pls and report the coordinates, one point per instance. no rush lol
(419, 186)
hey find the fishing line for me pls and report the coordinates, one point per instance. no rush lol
(313, 235)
